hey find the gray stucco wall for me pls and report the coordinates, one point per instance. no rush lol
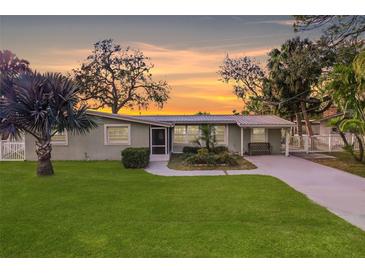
(234, 138)
(246, 139)
(92, 143)
(274, 137)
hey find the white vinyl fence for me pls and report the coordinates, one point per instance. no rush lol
(12, 151)
(320, 143)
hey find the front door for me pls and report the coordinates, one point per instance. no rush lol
(158, 141)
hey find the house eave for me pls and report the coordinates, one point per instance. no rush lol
(127, 118)
(266, 126)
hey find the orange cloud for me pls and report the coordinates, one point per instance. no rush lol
(192, 74)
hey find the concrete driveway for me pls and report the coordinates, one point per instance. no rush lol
(340, 192)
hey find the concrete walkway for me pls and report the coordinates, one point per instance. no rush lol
(160, 168)
(340, 192)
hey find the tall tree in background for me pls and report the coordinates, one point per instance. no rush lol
(295, 69)
(10, 67)
(287, 88)
(42, 105)
(336, 28)
(119, 78)
(249, 84)
(246, 75)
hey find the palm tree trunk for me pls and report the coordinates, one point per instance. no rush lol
(361, 148)
(43, 150)
(343, 137)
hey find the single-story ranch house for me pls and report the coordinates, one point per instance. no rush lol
(163, 134)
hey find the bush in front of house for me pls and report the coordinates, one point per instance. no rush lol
(194, 150)
(204, 157)
(133, 157)
(225, 158)
(191, 150)
(219, 149)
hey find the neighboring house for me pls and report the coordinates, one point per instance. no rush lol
(324, 125)
(315, 127)
(163, 134)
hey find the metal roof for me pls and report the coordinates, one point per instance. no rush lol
(171, 120)
(240, 120)
(183, 119)
(129, 118)
(262, 120)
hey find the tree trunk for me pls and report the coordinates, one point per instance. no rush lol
(43, 150)
(306, 119)
(361, 149)
(298, 117)
(343, 136)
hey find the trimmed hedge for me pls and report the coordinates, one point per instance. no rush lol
(191, 150)
(133, 157)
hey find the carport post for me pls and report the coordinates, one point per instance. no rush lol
(287, 138)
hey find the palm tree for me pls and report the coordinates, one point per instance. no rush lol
(207, 136)
(346, 85)
(42, 105)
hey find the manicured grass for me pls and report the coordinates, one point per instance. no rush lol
(99, 209)
(176, 162)
(345, 162)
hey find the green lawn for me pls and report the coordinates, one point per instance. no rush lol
(99, 209)
(345, 162)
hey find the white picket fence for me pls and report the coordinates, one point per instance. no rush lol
(320, 143)
(12, 151)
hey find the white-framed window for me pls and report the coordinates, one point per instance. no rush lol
(220, 134)
(185, 134)
(258, 135)
(179, 134)
(60, 138)
(188, 134)
(117, 134)
(193, 133)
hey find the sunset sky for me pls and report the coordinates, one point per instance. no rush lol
(186, 50)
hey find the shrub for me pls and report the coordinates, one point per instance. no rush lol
(201, 159)
(205, 158)
(135, 157)
(226, 158)
(203, 151)
(190, 150)
(219, 149)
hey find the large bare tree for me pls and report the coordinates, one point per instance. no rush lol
(119, 78)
